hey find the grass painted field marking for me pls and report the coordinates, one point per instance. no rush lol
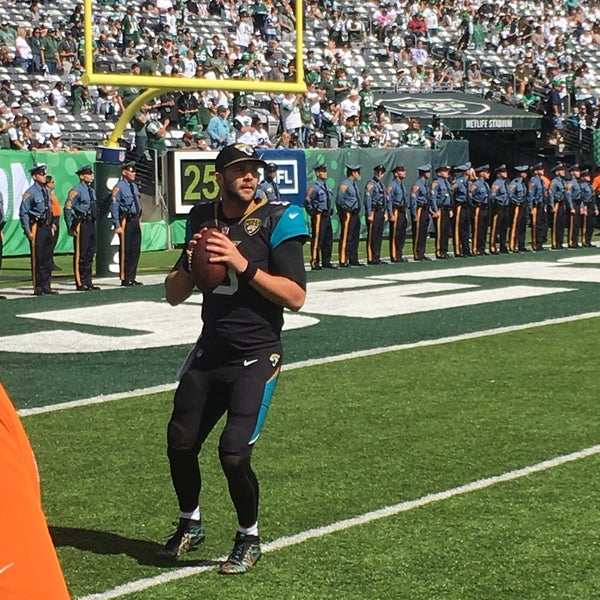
(26, 412)
(382, 513)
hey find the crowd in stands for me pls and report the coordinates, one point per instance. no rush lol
(534, 55)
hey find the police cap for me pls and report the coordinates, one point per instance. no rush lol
(38, 169)
(353, 167)
(442, 168)
(398, 168)
(424, 168)
(379, 169)
(575, 167)
(559, 167)
(320, 167)
(537, 166)
(521, 168)
(501, 167)
(585, 172)
(86, 169)
(462, 168)
(271, 167)
(128, 166)
(482, 168)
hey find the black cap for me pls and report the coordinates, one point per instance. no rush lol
(558, 167)
(237, 153)
(320, 167)
(585, 172)
(271, 167)
(537, 166)
(398, 168)
(85, 169)
(501, 167)
(129, 166)
(379, 169)
(575, 167)
(38, 169)
(482, 168)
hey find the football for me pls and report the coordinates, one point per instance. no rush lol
(207, 276)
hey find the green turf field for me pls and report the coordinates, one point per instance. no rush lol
(345, 437)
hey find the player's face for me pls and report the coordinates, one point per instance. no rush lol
(239, 182)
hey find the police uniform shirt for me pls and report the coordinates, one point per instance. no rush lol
(125, 200)
(499, 194)
(270, 190)
(441, 193)
(537, 192)
(319, 196)
(574, 189)
(460, 190)
(480, 192)
(419, 195)
(558, 192)
(236, 317)
(517, 190)
(375, 196)
(347, 195)
(80, 204)
(587, 193)
(397, 194)
(35, 205)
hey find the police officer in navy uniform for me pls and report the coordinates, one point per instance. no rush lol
(537, 200)
(268, 186)
(480, 197)
(462, 214)
(499, 200)
(80, 212)
(318, 205)
(35, 215)
(347, 204)
(441, 195)
(125, 213)
(560, 205)
(397, 213)
(574, 188)
(376, 214)
(420, 205)
(517, 189)
(589, 209)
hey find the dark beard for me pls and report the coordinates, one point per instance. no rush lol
(236, 201)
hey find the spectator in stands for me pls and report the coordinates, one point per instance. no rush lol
(49, 53)
(67, 52)
(395, 45)
(418, 53)
(474, 76)
(219, 129)
(242, 124)
(35, 43)
(83, 104)
(414, 136)
(383, 17)
(357, 33)
(49, 127)
(19, 134)
(23, 54)
(58, 97)
(7, 94)
(418, 27)
(351, 105)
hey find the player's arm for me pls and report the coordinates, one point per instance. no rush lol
(179, 284)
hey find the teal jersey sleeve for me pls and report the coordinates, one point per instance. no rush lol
(291, 224)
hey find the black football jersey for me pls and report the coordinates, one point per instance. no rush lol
(236, 317)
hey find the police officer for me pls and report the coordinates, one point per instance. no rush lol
(441, 196)
(559, 202)
(499, 200)
(589, 209)
(397, 213)
(376, 214)
(479, 190)
(574, 189)
(35, 215)
(517, 190)
(268, 186)
(80, 212)
(420, 205)
(125, 213)
(347, 204)
(461, 208)
(318, 205)
(537, 199)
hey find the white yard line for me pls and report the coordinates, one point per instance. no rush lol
(25, 412)
(388, 511)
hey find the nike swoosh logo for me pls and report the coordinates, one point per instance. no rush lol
(294, 215)
(247, 363)
(6, 567)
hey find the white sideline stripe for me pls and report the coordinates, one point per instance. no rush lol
(388, 511)
(26, 412)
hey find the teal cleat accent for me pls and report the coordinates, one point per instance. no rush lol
(188, 535)
(245, 554)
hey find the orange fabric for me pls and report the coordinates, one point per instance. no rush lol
(56, 209)
(29, 567)
(596, 183)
